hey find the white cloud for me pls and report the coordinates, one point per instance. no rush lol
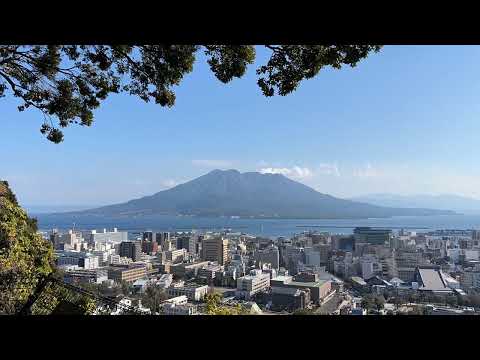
(328, 169)
(169, 183)
(212, 163)
(296, 172)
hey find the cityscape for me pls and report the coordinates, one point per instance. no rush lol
(370, 272)
(328, 180)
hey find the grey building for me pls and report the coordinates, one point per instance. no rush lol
(131, 249)
(372, 236)
(269, 255)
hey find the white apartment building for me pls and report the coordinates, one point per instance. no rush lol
(192, 292)
(114, 236)
(164, 281)
(115, 259)
(77, 258)
(470, 278)
(179, 300)
(249, 285)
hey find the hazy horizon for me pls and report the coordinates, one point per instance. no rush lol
(403, 121)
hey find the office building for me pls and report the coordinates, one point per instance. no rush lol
(269, 255)
(343, 243)
(129, 273)
(131, 249)
(188, 243)
(319, 288)
(251, 284)
(114, 236)
(215, 249)
(285, 298)
(77, 258)
(97, 276)
(187, 270)
(193, 292)
(149, 247)
(372, 236)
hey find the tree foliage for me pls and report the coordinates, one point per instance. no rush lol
(25, 256)
(153, 297)
(214, 307)
(66, 83)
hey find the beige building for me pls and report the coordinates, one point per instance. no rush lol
(215, 249)
(129, 274)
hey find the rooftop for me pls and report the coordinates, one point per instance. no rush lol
(432, 280)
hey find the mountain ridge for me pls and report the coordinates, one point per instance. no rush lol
(249, 194)
(442, 201)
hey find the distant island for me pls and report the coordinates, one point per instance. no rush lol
(250, 195)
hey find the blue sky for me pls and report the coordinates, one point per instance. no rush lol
(404, 121)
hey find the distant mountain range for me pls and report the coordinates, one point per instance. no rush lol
(443, 202)
(250, 194)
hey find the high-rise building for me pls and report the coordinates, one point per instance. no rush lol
(215, 249)
(67, 241)
(269, 255)
(149, 247)
(476, 235)
(344, 243)
(372, 236)
(131, 249)
(188, 243)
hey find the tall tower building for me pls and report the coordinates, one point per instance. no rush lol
(131, 249)
(215, 249)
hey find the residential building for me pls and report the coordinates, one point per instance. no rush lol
(470, 278)
(215, 249)
(68, 241)
(174, 256)
(209, 271)
(193, 292)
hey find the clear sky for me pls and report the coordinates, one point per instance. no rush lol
(405, 121)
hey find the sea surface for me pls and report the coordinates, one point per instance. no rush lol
(263, 227)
